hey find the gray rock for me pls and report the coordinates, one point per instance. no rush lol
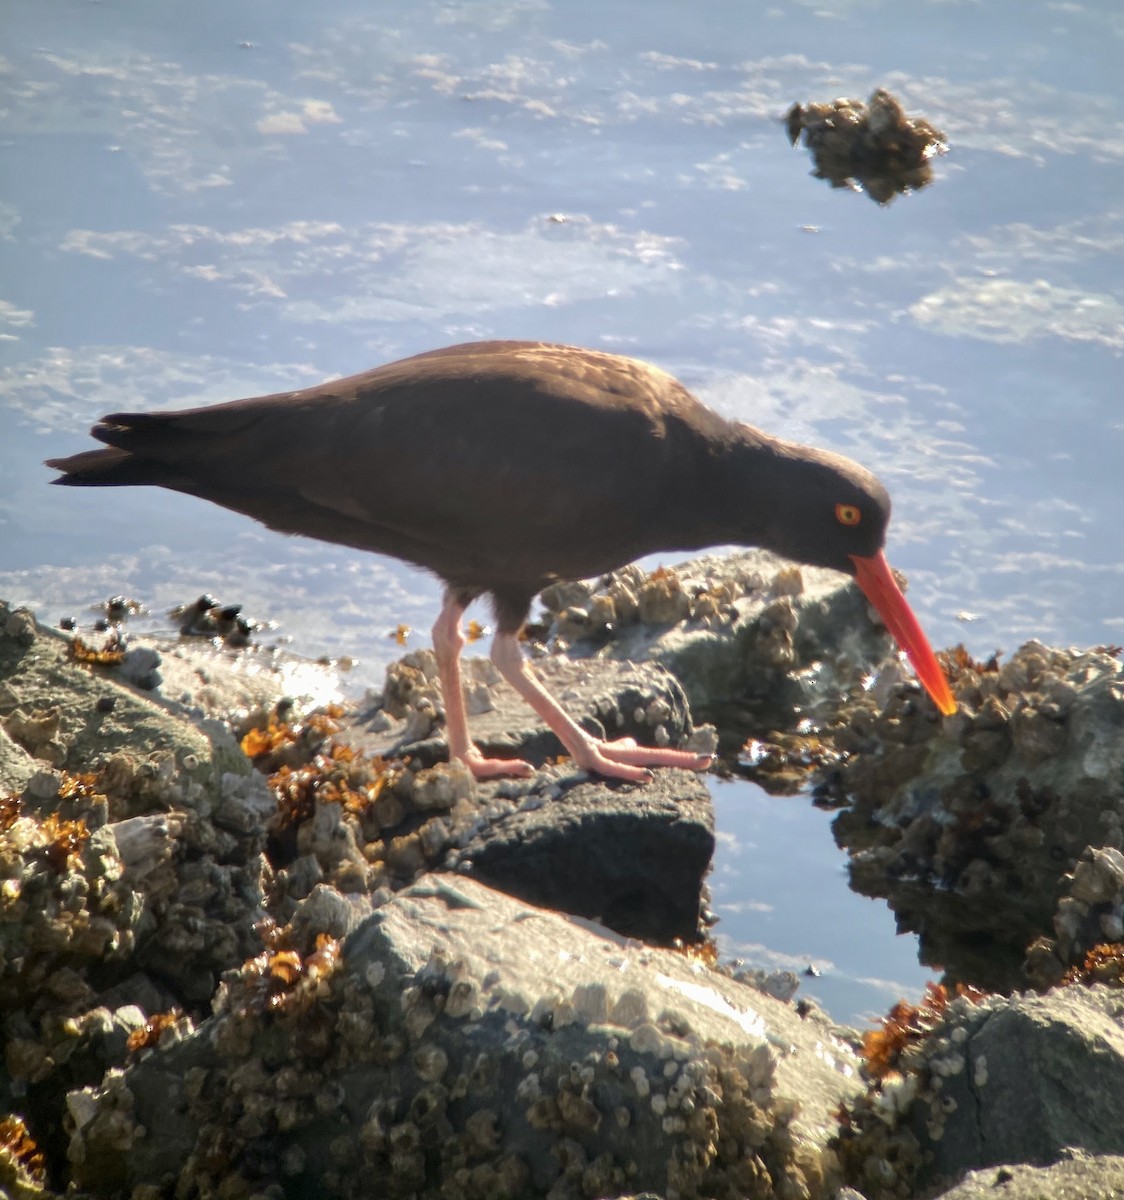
(613, 699)
(460, 1047)
(633, 858)
(1080, 1178)
(1027, 1079)
(1040, 1074)
(326, 911)
(244, 805)
(758, 633)
(17, 767)
(141, 668)
(1090, 914)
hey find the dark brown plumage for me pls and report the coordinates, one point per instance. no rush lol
(502, 466)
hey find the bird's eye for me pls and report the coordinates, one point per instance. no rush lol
(848, 514)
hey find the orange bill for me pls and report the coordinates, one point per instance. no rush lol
(873, 576)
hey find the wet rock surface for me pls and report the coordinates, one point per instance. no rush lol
(969, 826)
(872, 147)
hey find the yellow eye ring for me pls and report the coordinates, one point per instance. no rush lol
(848, 514)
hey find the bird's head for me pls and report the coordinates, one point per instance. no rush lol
(822, 509)
(830, 512)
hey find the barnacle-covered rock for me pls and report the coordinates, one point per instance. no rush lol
(975, 1081)
(752, 639)
(1088, 934)
(618, 699)
(872, 147)
(367, 1065)
(56, 716)
(970, 825)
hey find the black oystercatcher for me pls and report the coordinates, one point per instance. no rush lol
(503, 466)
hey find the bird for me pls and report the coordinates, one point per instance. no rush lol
(505, 466)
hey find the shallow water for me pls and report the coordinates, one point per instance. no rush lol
(232, 198)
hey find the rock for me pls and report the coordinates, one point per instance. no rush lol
(17, 767)
(872, 147)
(772, 641)
(969, 826)
(141, 668)
(326, 911)
(1097, 1177)
(632, 858)
(1089, 920)
(466, 1043)
(616, 699)
(1025, 1079)
(1041, 1073)
(244, 807)
(56, 698)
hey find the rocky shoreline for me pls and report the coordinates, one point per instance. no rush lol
(252, 949)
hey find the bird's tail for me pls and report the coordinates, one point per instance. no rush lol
(101, 468)
(139, 454)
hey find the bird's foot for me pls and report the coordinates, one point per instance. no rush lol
(625, 759)
(493, 768)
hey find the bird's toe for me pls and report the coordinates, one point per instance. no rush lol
(493, 768)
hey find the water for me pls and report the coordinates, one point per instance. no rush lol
(235, 197)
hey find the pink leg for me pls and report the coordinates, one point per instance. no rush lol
(448, 642)
(622, 759)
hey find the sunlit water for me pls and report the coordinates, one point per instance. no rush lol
(236, 197)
